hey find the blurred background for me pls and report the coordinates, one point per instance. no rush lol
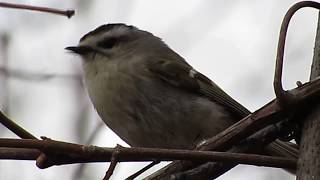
(232, 42)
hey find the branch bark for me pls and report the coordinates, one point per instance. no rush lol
(75, 153)
(309, 159)
(15, 128)
(253, 144)
(68, 13)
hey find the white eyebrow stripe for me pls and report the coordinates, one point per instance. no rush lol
(192, 73)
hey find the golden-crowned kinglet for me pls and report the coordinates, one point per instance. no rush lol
(148, 94)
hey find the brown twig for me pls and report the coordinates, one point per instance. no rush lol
(67, 13)
(19, 154)
(113, 163)
(15, 128)
(253, 144)
(32, 154)
(85, 154)
(144, 169)
(269, 114)
(285, 97)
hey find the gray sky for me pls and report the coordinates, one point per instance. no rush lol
(232, 42)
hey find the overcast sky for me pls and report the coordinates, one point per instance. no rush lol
(232, 42)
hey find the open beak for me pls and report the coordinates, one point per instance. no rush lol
(81, 50)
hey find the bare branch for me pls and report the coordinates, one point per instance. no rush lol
(144, 169)
(19, 154)
(309, 160)
(84, 154)
(113, 163)
(68, 13)
(15, 128)
(285, 97)
(255, 143)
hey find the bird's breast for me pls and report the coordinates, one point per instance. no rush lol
(147, 112)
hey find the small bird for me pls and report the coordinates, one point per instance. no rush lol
(148, 94)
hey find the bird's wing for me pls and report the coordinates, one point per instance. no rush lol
(182, 75)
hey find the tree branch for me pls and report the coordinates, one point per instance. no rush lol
(144, 169)
(253, 144)
(86, 154)
(15, 128)
(268, 114)
(113, 163)
(285, 97)
(68, 13)
(19, 154)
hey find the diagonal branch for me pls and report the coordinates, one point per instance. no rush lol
(15, 128)
(68, 13)
(254, 143)
(268, 114)
(144, 169)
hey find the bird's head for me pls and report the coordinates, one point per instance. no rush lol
(111, 41)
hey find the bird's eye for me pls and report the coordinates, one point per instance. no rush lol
(107, 43)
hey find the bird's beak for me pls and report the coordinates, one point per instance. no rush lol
(81, 50)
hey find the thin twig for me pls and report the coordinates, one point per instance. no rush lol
(15, 128)
(85, 154)
(113, 163)
(268, 114)
(67, 13)
(144, 169)
(284, 97)
(253, 144)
